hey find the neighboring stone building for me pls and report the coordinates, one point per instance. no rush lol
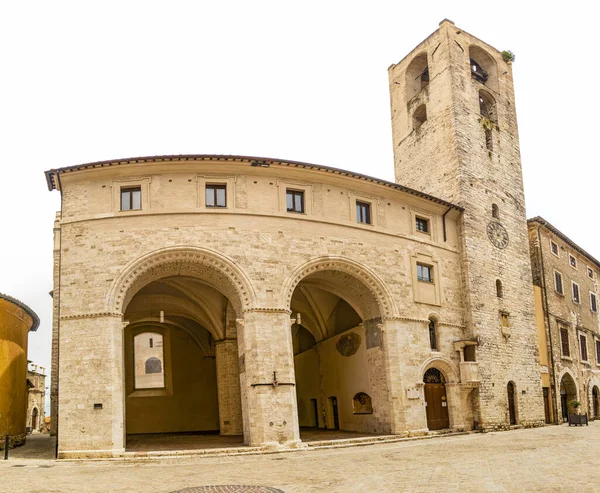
(565, 279)
(256, 296)
(16, 320)
(36, 402)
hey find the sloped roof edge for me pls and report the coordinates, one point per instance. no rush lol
(50, 174)
(36, 320)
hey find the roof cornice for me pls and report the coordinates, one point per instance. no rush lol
(35, 319)
(53, 173)
(542, 222)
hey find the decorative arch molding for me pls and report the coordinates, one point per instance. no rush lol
(212, 267)
(564, 372)
(444, 365)
(376, 286)
(594, 381)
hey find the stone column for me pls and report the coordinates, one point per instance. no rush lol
(92, 387)
(455, 399)
(228, 387)
(264, 347)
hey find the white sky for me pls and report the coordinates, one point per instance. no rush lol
(306, 81)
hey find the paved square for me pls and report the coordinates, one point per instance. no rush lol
(554, 458)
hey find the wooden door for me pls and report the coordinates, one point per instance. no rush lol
(546, 392)
(436, 406)
(512, 415)
(595, 398)
(334, 410)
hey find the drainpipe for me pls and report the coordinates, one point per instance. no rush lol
(58, 310)
(444, 222)
(547, 317)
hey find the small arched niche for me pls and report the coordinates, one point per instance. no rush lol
(417, 76)
(361, 404)
(419, 116)
(433, 339)
(483, 67)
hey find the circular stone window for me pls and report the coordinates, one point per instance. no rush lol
(229, 488)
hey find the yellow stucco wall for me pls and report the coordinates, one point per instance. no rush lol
(15, 323)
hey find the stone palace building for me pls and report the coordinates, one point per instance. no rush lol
(252, 296)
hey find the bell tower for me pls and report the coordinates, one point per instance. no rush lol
(455, 137)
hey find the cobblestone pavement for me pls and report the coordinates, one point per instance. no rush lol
(554, 458)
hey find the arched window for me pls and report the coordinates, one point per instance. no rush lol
(498, 288)
(432, 335)
(417, 76)
(153, 365)
(433, 375)
(419, 116)
(495, 212)
(487, 106)
(483, 67)
(148, 357)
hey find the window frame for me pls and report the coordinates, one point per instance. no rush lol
(558, 275)
(215, 187)
(421, 278)
(564, 341)
(129, 190)
(583, 348)
(590, 271)
(574, 263)
(294, 192)
(593, 302)
(360, 207)
(597, 347)
(422, 220)
(552, 245)
(163, 361)
(578, 300)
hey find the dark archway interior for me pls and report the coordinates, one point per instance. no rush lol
(333, 311)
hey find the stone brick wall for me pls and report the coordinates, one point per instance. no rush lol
(561, 311)
(447, 156)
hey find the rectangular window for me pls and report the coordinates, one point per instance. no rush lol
(131, 199)
(590, 273)
(572, 261)
(564, 341)
(597, 352)
(294, 200)
(216, 195)
(422, 225)
(583, 344)
(363, 212)
(575, 289)
(593, 302)
(554, 248)
(558, 285)
(149, 361)
(424, 273)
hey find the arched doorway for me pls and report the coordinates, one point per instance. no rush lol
(512, 410)
(568, 393)
(337, 340)
(34, 419)
(436, 402)
(182, 308)
(596, 401)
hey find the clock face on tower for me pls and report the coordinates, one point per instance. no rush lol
(497, 235)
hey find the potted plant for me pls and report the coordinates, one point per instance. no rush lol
(575, 404)
(578, 418)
